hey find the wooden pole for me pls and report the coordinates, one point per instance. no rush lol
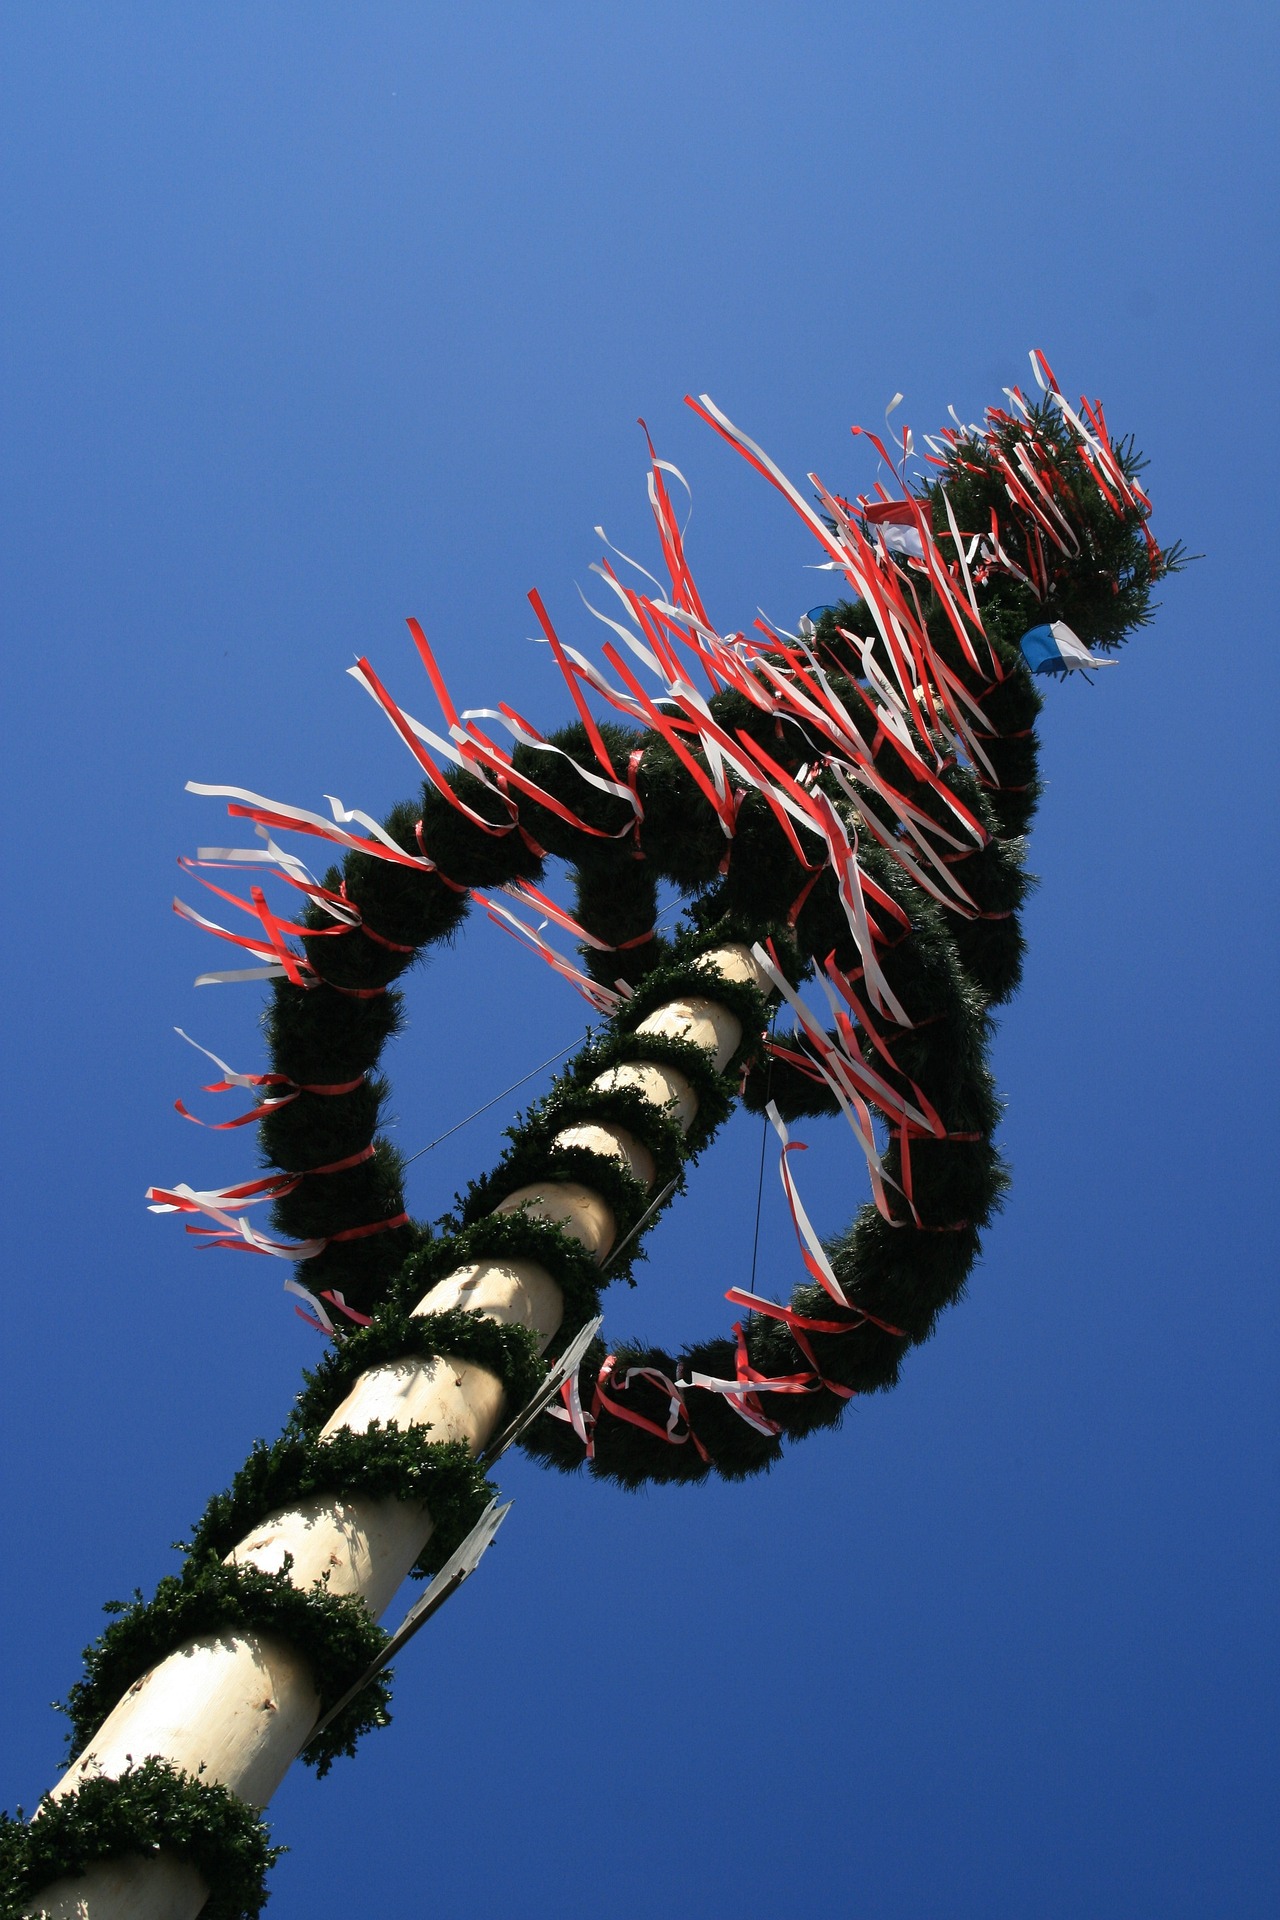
(237, 1708)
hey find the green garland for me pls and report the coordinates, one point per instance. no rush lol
(716, 1092)
(380, 1463)
(509, 1352)
(333, 1633)
(518, 1235)
(151, 1810)
(533, 1160)
(683, 978)
(573, 1103)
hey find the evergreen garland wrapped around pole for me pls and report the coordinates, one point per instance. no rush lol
(842, 808)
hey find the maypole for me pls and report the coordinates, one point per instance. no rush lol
(842, 809)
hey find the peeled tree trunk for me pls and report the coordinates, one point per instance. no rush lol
(236, 1709)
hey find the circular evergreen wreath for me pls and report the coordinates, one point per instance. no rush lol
(910, 711)
(850, 801)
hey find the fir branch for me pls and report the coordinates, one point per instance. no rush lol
(150, 1810)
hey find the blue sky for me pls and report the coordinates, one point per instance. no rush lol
(320, 316)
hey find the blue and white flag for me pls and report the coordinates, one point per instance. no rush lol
(1055, 649)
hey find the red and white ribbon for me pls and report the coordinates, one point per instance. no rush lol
(271, 1104)
(812, 1250)
(274, 813)
(741, 1393)
(318, 1316)
(603, 999)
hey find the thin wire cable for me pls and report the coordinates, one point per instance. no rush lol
(516, 1084)
(764, 1141)
(489, 1103)
(755, 1242)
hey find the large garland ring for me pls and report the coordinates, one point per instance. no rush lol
(844, 805)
